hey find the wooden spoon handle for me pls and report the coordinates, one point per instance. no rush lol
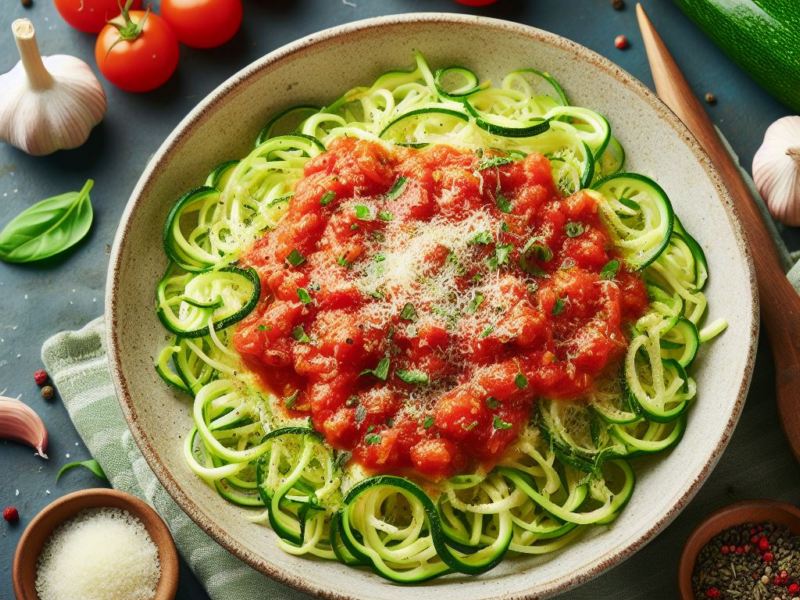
(780, 303)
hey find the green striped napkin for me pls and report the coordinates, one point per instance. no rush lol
(77, 363)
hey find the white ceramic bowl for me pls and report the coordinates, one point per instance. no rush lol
(317, 69)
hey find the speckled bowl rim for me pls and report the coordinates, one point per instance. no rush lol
(197, 115)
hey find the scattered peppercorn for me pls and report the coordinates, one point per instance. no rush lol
(40, 377)
(711, 98)
(27, 3)
(11, 514)
(758, 561)
(618, 4)
(621, 42)
(48, 392)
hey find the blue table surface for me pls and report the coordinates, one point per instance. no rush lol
(39, 301)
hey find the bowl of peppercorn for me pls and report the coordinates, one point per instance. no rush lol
(750, 549)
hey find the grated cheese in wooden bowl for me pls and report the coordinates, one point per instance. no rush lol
(100, 554)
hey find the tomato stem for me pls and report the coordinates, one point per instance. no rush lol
(128, 30)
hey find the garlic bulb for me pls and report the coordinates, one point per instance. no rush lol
(47, 104)
(776, 170)
(19, 422)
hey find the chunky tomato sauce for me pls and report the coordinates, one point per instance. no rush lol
(417, 302)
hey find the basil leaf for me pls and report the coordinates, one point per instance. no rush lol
(397, 188)
(90, 464)
(484, 237)
(412, 376)
(409, 313)
(299, 334)
(362, 212)
(381, 371)
(48, 227)
(498, 423)
(304, 296)
(295, 258)
(609, 271)
(521, 381)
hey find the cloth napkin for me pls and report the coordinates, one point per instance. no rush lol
(78, 364)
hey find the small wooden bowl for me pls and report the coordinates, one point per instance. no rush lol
(748, 511)
(42, 526)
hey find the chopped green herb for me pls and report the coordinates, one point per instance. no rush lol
(381, 370)
(558, 307)
(538, 250)
(378, 295)
(372, 439)
(327, 198)
(290, 401)
(533, 287)
(354, 227)
(351, 402)
(498, 423)
(503, 203)
(262, 328)
(484, 237)
(504, 227)
(574, 229)
(494, 161)
(299, 334)
(521, 381)
(361, 414)
(492, 403)
(342, 262)
(304, 296)
(362, 212)
(470, 427)
(486, 331)
(501, 253)
(428, 422)
(295, 258)
(385, 215)
(475, 303)
(397, 188)
(609, 271)
(379, 257)
(409, 313)
(412, 376)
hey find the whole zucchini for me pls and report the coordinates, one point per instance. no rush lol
(761, 36)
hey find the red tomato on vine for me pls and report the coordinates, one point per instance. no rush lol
(90, 15)
(137, 51)
(203, 23)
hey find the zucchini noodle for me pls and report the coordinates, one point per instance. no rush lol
(569, 469)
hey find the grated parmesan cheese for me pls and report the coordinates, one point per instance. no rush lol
(100, 554)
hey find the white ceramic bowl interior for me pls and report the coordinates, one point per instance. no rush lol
(316, 70)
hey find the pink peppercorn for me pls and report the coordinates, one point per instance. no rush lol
(40, 377)
(621, 42)
(763, 544)
(11, 514)
(725, 550)
(793, 588)
(769, 557)
(712, 592)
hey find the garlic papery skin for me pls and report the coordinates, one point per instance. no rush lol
(19, 422)
(776, 170)
(50, 103)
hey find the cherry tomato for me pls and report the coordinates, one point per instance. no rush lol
(141, 55)
(90, 15)
(476, 2)
(203, 23)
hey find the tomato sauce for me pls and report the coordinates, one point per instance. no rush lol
(417, 302)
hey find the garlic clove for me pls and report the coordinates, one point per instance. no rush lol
(20, 423)
(49, 103)
(776, 170)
